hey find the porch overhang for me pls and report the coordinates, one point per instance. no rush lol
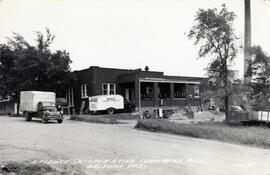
(162, 80)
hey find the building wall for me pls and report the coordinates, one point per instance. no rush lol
(83, 77)
(94, 77)
(104, 75)
(8, 107)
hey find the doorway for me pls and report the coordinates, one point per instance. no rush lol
(130, 94)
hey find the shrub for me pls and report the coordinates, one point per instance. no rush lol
(24, 168)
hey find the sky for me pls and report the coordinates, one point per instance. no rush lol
(129, 34)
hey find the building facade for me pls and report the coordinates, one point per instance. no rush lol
(145, 89)
(8, 107)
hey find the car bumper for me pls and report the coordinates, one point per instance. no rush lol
(56, 117)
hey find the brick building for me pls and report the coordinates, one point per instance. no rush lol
(146, 89)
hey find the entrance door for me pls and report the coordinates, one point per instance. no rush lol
(130, 94)
(127, 94)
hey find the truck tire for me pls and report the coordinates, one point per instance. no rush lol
(110, 111)
(44, 120)
(27, 116)
(59, 121)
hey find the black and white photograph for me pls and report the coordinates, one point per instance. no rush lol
(132, 87)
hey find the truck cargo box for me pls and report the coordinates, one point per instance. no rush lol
(29, 99)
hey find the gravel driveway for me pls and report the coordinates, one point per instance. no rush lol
(120, 149)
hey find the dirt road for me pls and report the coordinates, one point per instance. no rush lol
(120, 149)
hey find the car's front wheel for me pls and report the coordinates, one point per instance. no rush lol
(59, 121)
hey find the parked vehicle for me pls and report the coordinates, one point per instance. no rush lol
(211, 108)
(237, 114)
(109, 103)
(236, 108)
(41, 105)
(232, 109)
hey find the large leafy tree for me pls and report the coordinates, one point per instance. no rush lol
(7, 61)
(33, 67)
(213, 31)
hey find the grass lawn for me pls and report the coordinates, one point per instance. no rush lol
(105, 118)
(121, 116)
(95, 119)
(249, 135)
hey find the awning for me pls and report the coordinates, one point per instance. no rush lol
(162, 80)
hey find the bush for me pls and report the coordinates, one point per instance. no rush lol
(255, 136)
(27, 167)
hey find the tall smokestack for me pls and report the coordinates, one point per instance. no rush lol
(247, 43)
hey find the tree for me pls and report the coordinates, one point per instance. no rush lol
(259, 70)
(27, 67)
(214, 33)
(7, 59)
(247, 39)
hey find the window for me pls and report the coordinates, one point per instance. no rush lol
(194, 90)
(84, 91)
(179, 90)
(70, 96)
(147, 91)
(108, 89)
(164, 90)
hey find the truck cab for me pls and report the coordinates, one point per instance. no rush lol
(48, 111)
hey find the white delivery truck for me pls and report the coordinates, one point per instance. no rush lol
(108, 103)
(39, 104)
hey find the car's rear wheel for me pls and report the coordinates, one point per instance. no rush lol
(110, 111)
(59, 121)
(27, 116)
